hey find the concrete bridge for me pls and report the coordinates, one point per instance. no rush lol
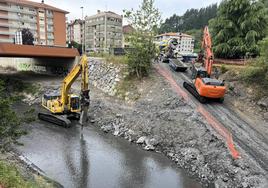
(40, 59)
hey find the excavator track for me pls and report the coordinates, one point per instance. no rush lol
(55, 119)
(191, 88)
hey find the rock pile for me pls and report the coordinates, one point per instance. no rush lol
(105, 76)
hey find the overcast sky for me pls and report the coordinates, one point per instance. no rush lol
(166, 7)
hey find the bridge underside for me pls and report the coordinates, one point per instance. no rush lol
(40, 59)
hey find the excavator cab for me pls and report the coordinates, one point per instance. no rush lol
(74, 103)
(199, 72)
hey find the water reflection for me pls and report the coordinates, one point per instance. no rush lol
(94, 159)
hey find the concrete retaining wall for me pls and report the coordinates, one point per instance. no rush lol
(106, 76)
(39, 65)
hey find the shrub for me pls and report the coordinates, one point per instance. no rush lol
(223, 69)
(257, 72)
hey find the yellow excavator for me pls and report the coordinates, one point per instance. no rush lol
(64, 106)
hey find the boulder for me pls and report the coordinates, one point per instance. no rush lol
(107, 128)
(265, 116)
(141, 140)
(263, 102)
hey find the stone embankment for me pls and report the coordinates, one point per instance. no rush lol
(106, 76)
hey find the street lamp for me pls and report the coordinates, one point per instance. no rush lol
(83, 38)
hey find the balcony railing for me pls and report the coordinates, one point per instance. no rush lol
(50, 37)
(49, 23)
(4, 16)
(13, 9)
(6, 33)
(6, 40)
(50, 15)
(4, 24)
(50, 30)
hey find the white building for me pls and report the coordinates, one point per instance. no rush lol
(104, 31)
(75, 31)
(185, 42)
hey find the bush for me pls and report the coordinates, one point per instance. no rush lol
(10, 122)
(256, 75)
(223, 69)
(257, 72)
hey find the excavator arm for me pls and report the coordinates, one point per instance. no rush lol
(80, 68)
(207, 47)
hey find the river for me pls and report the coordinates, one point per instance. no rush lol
(91, 158)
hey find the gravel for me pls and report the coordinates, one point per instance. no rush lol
(160, 121)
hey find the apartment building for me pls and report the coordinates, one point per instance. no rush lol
(186, 42)
(103, 31)
(127, 30)
(47, 23)
(75, 31)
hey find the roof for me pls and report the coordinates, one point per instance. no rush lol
(127, 29)
(102, 13)
(36, 5)
(79, 21)
(175, 35)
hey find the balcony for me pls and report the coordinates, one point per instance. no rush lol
(3, 16)
(50, 30)
(49, 15)
(4, 24)
(50, 23)
(6, 40)
(16, 9)
(50, 37)
(6, 33)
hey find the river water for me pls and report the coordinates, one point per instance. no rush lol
(91, 158)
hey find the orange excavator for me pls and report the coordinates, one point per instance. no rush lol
(203, 87)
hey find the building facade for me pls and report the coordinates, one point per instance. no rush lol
(185, 42)
(75, 31)
(46, 23)
(103, 31)
(127, 30)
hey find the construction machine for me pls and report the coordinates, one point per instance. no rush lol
(203, 87)
(169, 54)
(65, 106)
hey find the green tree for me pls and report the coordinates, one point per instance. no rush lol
(27, 37)
(238, 27)
(192, 19)
(145, 21)
(172, 24)
(76, 45)
(9, 122)
(256, 73)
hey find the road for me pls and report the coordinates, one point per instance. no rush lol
(91, 158)
(249, 136)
